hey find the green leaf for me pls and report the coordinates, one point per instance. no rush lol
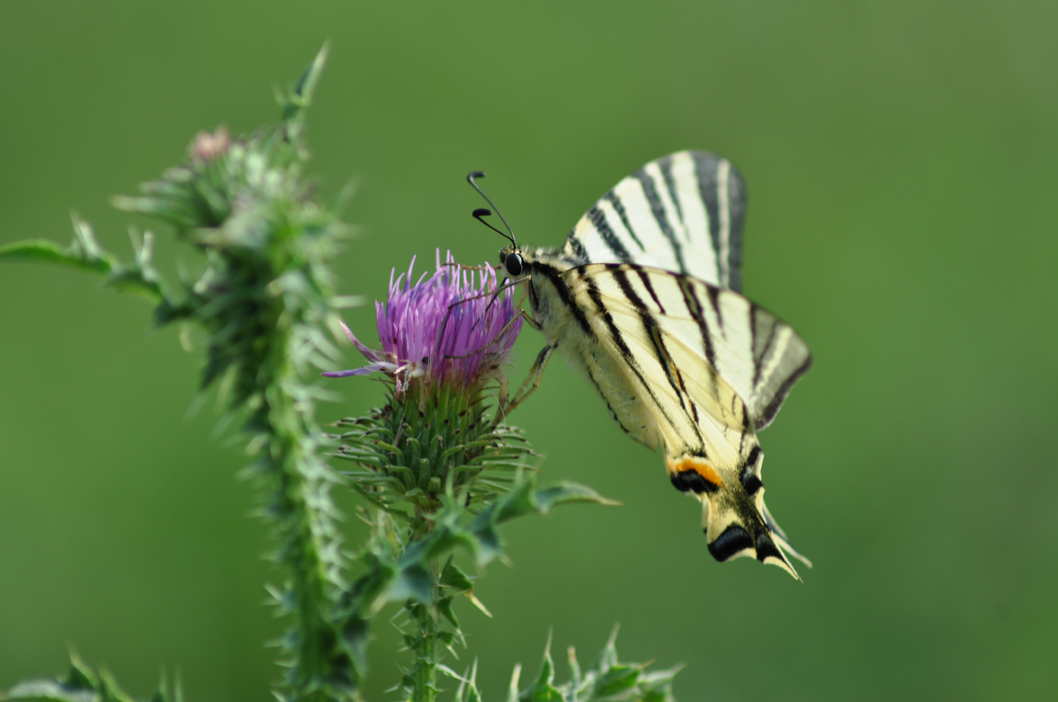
(444, 606)
(111, 691)
(48, 691)
(355, 637)
(547, 667)
(455, 578)
(301, 96)
(414, 583)
(136, 281)
(80, 675)
(608, 655)
(50, 252)
(607, 680)
(565, 493)
(616, 679)
(81, 685)
(657, 686)
(542, 689)
(370, 592)
(519, 501)
(512, 689)
(487, 545)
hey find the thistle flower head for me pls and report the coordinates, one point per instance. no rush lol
(453, 330)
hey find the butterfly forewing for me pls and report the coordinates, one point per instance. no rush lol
(681, 213)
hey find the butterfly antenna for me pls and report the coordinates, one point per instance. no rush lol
(482, 212)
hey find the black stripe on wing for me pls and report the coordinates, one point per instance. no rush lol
(661, 352)
(576, 247)
(733, 541)
(772, 408)
(736, 199)
(706, 167)
(694, 308)
(683, 213)
(645, 280)
(657, 208)
(617, 337)
(619, 208)
(764, 330)
(723, 191)
(605, 398)
(665, 166)
(598, 219)
(750, 475)
(564, 294)
(755, 354)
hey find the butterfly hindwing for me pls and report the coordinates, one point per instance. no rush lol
(687, 352)
(720, 341)
(682, 213)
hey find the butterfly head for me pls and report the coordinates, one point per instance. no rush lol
(512, 262)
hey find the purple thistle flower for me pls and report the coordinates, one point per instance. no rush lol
(449, 330)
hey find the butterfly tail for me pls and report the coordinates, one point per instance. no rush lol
(734, 532)
(735, 520)
(779, 537)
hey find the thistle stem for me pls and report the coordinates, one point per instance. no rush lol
(300, 508)
(305, 533)
(424, 670)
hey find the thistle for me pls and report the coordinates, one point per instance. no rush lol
(437, 466)
(445, 340)
(447, 331)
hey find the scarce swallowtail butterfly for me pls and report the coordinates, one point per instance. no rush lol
(645, 299)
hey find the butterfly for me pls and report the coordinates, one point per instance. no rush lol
(645, 300)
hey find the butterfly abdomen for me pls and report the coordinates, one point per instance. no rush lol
(734, 518)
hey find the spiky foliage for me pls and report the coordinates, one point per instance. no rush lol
(82, 684)
(438, 469)
(438, 474)
(265, 300)
(420, 573)
(607, 680)
(414, 456)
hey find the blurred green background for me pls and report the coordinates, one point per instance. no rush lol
(902, 163)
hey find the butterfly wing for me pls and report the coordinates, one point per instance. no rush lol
(681, 213)
(720, 341)
(700, 368)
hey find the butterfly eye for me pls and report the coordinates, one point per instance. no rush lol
(513, 264)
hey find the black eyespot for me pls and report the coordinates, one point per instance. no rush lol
(514, 264)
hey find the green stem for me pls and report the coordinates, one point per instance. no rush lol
(308, 539)
(303, 537)
(424, 670)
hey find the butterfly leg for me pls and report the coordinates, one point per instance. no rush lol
(465, 267)
(529, 318)
(532, 382)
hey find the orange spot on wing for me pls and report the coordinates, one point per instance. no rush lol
(699, 465)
